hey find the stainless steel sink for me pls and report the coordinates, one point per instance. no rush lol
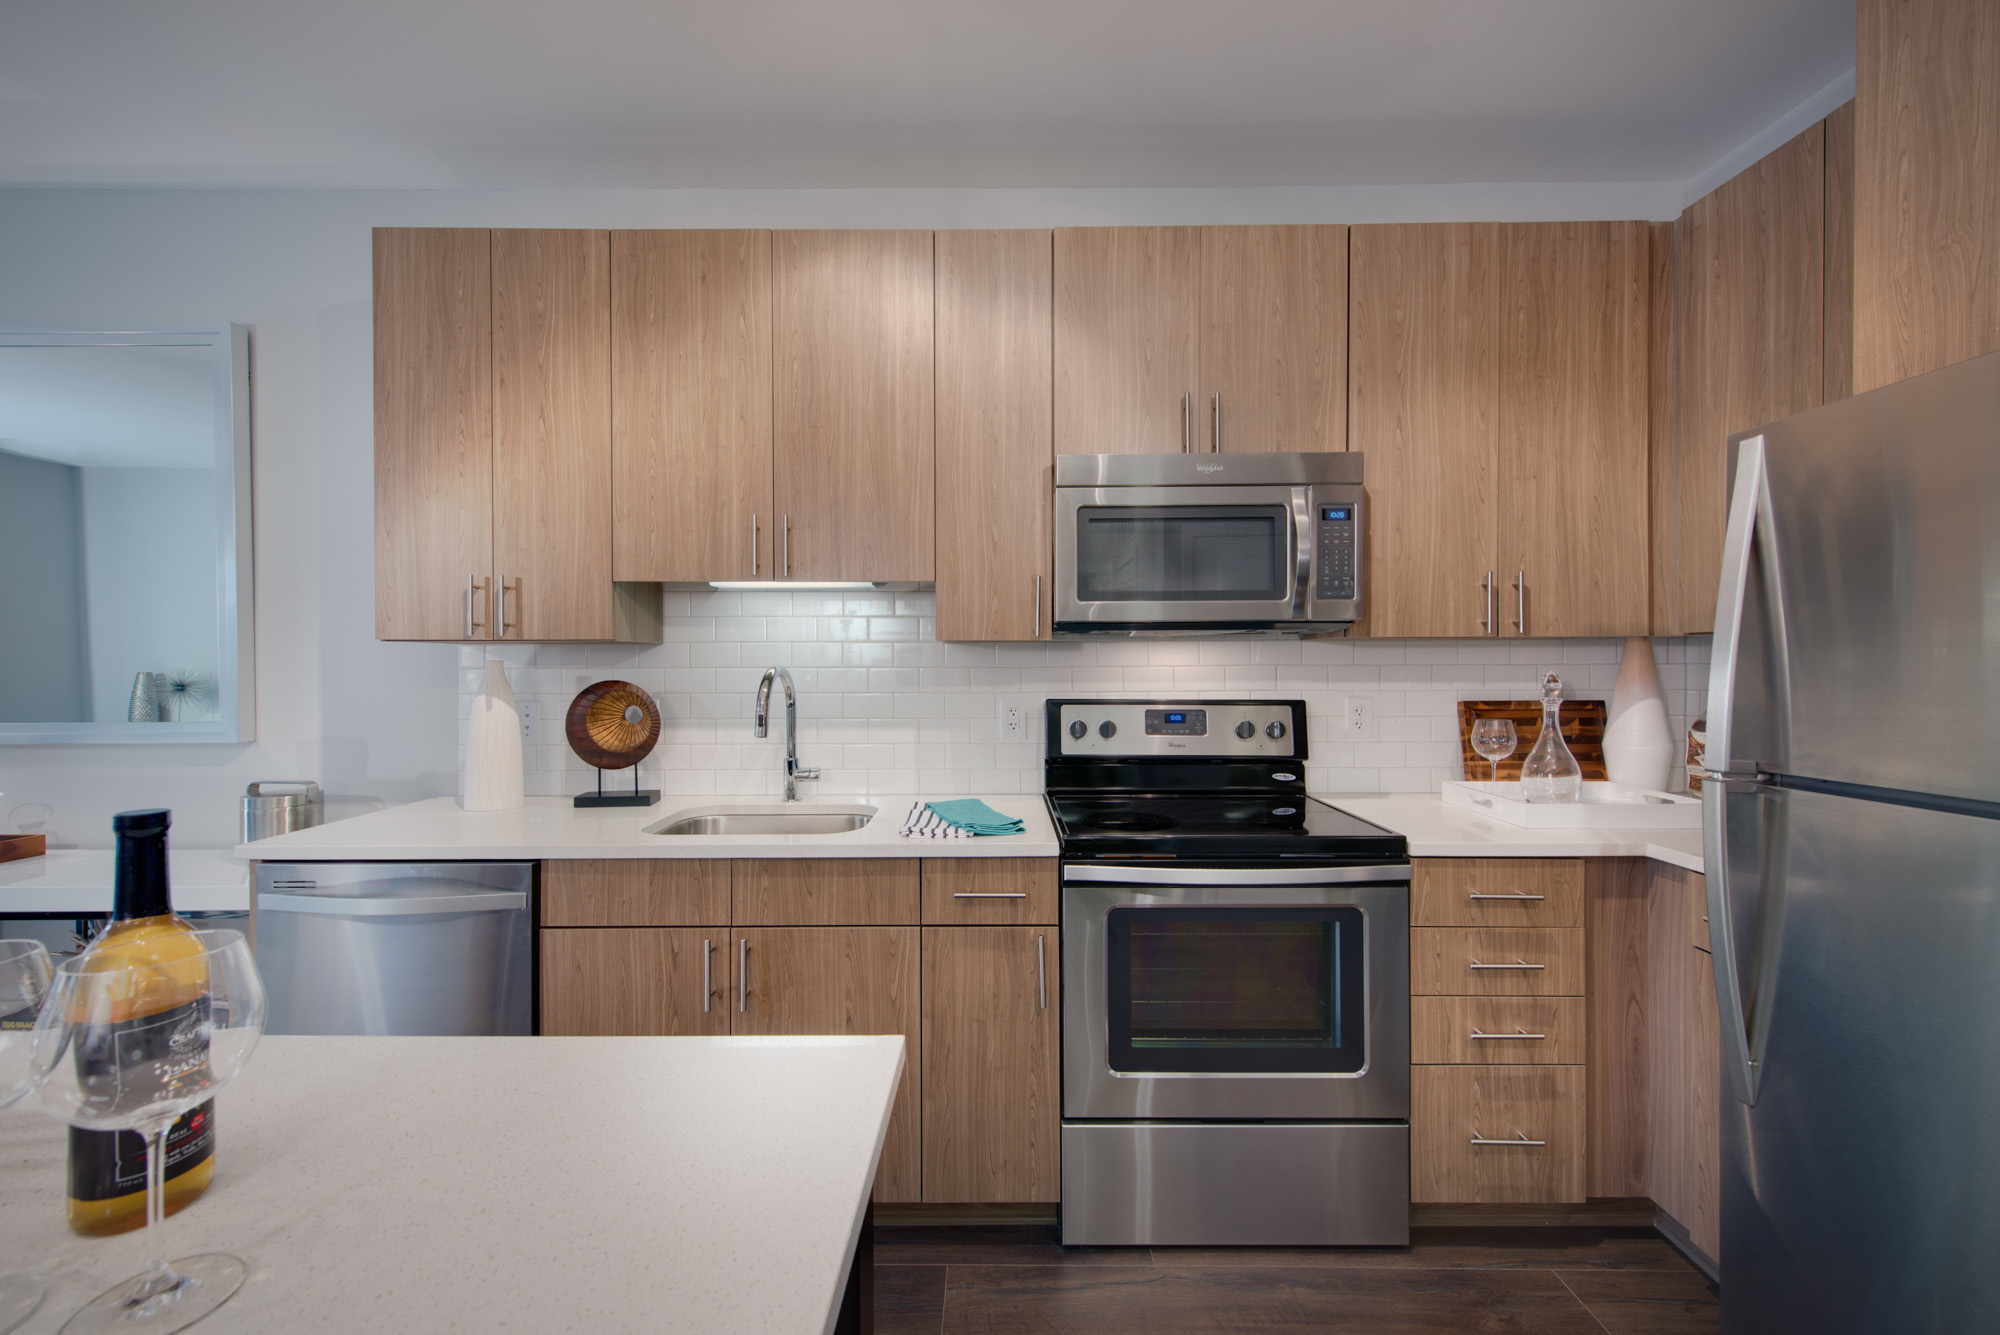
(789, 818)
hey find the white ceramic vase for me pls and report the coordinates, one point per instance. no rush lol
(493, 747)
(1638, 747)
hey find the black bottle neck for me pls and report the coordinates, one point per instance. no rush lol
(140, 888)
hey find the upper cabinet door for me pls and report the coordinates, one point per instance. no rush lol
(691, 405)
(995, 457)
(1423, 407)
(854, 428)
(433, 434)
(1127, 310)
(1273, 339)
(552, 434)
(1573, 462)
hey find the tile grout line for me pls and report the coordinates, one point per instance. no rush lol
(1587, 1310)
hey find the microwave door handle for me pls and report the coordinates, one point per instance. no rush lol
(1302, 542)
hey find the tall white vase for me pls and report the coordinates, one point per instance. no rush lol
(493, 747)
(1638, 747)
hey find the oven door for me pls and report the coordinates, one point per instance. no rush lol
(1225, 994)
(1183, 556)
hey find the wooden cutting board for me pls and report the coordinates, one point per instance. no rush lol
(1582, 723)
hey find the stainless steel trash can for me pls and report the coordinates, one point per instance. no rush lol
(279, 806)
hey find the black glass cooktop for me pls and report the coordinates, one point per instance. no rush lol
(1245, 825)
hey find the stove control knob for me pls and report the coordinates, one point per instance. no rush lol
(1275, 731)
(1246, 730)
(1078, 729)
(1107, 729)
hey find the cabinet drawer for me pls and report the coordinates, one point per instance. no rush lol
(635, 892)
(1497, 1031)
(1496, 892)
(1496, 961)
(1456, 1110)
(989, 891)
(824, 892)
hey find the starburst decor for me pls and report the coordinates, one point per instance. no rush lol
(186, 690)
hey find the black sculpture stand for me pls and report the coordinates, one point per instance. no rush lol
(638, 797)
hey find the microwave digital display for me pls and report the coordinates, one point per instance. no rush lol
(1336, 513)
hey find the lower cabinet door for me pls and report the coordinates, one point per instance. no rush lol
(842, 980)
(992, 1071)
(1484, 1134)
(635, 980)
(1705, 1105)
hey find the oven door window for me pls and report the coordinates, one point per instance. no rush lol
(1183, 553)
(1255, 990)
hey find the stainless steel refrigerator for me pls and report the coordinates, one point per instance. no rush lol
(1853, 859)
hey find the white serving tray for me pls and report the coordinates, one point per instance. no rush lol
(1600, 806)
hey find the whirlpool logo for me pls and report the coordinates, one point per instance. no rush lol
(1208, 468)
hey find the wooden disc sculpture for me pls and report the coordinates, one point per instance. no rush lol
(612, 725)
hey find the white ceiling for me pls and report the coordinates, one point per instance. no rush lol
(443, 93)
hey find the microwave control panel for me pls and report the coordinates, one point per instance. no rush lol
(1337, 545)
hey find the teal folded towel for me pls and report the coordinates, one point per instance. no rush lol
(970, 813)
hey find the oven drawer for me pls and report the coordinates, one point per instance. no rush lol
(1496, 961)
(1496, 892)
(1510, 1031)
(1535, 1112)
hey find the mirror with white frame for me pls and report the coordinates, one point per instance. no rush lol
(125, 598)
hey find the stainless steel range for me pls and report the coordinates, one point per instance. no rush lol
(1236, 1014)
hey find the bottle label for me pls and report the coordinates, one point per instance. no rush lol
(107, 1164)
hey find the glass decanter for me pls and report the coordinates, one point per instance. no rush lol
(1550, 773)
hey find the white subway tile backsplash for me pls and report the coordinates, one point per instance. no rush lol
(884, 707)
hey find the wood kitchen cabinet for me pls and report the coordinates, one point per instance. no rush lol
(1684, 1038)
(493, 444)
(844, 980)
(691, 405)
(650, 980)
(1195, 339)
(992, 1076)
(1498, 387)
(995, 441)
(853, 421)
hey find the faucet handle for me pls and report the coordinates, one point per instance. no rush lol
(806, 772)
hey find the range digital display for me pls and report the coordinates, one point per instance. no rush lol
(1177, 723)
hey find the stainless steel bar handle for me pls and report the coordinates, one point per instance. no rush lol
(785, 543)
(707, 949)
(989, 894)
(504, 622)
(753, 544)
(1519, 1140)
(1038, 607)
(1042, 970)
(1517, 964)
(1486, 623)
(1217, 447)
(1518, 1035)
(1521, 601)
(742, 972)
(1187, 422)
(468, 607)
(1479, 895)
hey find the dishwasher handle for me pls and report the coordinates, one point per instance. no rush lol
(357, 906)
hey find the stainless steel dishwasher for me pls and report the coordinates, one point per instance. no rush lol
(397, 947)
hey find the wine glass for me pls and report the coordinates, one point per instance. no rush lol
(1495, 739)
(25, 971)
(129, 1042)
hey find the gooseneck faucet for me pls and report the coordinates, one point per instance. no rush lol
(792, 771)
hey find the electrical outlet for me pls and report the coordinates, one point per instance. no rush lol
(528, 712)
(1360, 717)
(1013, 719)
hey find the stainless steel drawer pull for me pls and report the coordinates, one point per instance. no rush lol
(1519, 1033)
(1517, 964)
(707, 950)
(1038, 607)
(989, 894)
(468, 607)
(742, 973)
(1187, 422)
(1477, 895)
(753, 544)
(1042, 970)
(1519, 1140)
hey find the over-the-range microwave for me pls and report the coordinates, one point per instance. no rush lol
(1208, 544)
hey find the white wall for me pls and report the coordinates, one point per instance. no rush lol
(376, 723)
(149, 563)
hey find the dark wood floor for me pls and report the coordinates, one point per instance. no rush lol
(1018, 1280)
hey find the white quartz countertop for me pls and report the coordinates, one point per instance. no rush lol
(705, 1185)
(79, 880)
(549, 827)
(1439, 831)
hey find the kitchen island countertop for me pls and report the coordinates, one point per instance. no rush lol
(506, 1184)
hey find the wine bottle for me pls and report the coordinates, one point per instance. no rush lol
(107, 1169)
(1550, 773)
